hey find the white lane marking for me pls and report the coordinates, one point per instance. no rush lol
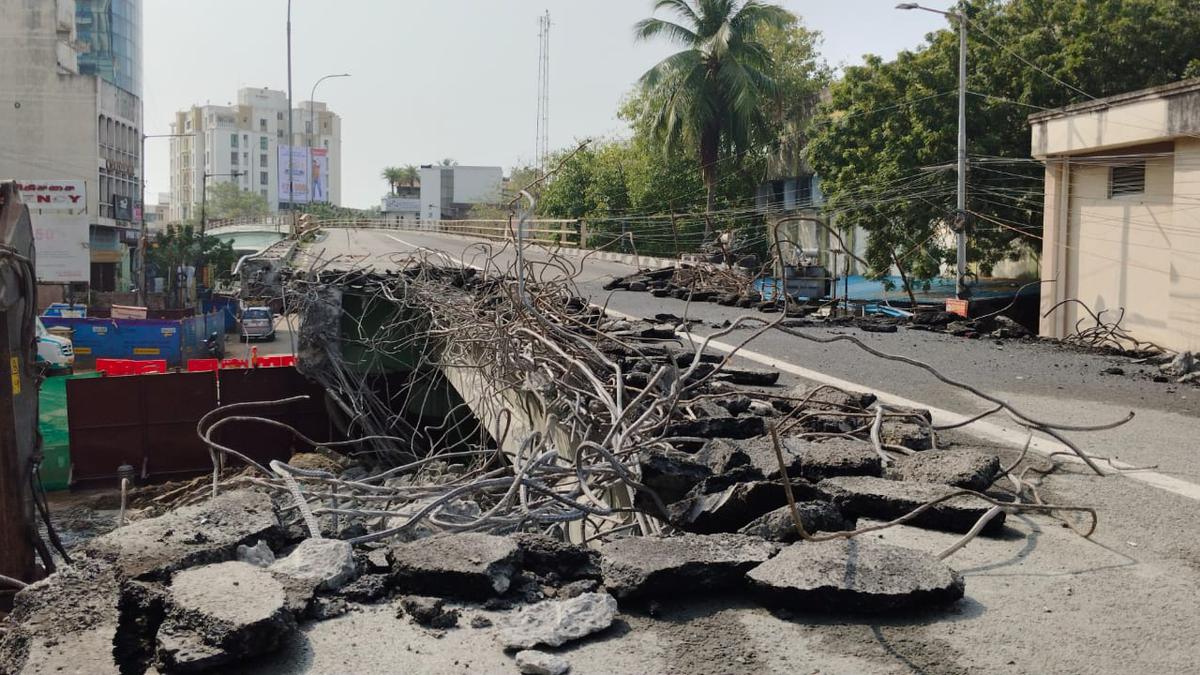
(437, 251)
(1006, 434)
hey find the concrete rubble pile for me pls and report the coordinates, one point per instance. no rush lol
(628, 467)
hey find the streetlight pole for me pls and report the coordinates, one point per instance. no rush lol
(313, 95)
(290, 174)
(204, 196)
(960, 234)
(311, 125)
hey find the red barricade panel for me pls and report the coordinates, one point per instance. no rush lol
(202, 365)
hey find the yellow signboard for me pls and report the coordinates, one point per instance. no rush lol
(83, 350)
(146, 351)
(14, 367)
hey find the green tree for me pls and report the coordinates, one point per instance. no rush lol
(227, 200)
(182, 246)
(884, 144)
(409, 175)
(394, 175)
(711, 94)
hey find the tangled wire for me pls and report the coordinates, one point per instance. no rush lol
(560, 403)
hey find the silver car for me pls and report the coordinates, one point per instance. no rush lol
(258, 323)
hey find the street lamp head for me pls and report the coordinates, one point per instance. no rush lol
(908, 5)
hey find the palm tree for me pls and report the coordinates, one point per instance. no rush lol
(708, 95)
(449, 162)
(410, 175)
(393, 175)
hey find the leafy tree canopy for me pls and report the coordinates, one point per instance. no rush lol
(227, 200)
(885, 142)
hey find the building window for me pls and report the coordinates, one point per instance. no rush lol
(245, 158)
(262, 143)
(263, 192)
(279, 116)
(262, 124)
(233, 140)
(233, 157)
(246, 140)
(262, 177)
(308, 127)
(262, 159)
(1128, 179)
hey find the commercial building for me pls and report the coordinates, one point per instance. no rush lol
(247, 144)
(449, 192)
(1121, 232)
(71, 121)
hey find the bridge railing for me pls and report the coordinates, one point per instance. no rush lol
(556, 232)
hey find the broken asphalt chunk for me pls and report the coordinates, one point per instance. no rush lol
(960, 467)
(816, 516)
(730, 508)
(556, 622)
(326, 563)
(670, 473)
(469, 565)
(219, 614)
(719, 427)
(534, 662)
(646, 567)
(854, 575)
(189, 536)
(883, 499)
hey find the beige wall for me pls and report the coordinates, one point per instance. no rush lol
(1137, 252)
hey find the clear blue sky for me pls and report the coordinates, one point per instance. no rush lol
(443, 78)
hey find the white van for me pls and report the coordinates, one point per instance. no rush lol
(57, 353)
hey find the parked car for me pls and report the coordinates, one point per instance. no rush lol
(258, 323)
(55, 353)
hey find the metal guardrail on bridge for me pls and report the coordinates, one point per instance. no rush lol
(568, 233)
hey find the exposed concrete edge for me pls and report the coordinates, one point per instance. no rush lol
(639, 261)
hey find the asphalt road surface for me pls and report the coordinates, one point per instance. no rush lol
(1040, 600)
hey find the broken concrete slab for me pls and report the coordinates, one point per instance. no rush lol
(752, 377)
(220, 614)
(826, 398)
(883, 499)
(534, 662)
(961, 467)
(816, 516)
(66, 622)
(721, 455)
(366, 589)
(644, 567)
(469, 565)
(548, 557)
(833, 457)
(727, 509)
(854, 575)
(189, 536)
(719, 427)
(429, 612)
(905, 434)
(670, 473)
(327, 563)
(554, 623)
(259, 555)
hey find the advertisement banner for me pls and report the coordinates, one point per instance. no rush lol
(61, 241)
(394, 204)
(62, 196)
(122, 207)
(319, 175)
(58, 211)
(298, 191)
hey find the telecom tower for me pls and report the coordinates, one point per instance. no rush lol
(542, 142)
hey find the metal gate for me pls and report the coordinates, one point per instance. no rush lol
(149, 421)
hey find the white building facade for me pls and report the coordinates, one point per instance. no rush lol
(449, 192)
(244, 139)
(71, 110)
